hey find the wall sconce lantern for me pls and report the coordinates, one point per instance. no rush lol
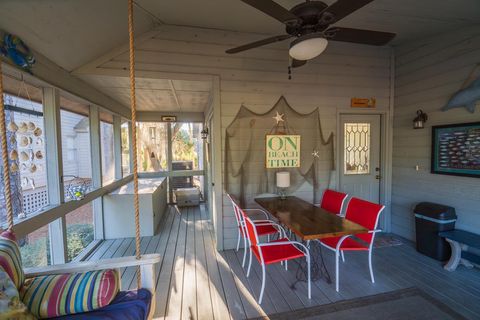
(204, 133)
(420, 119)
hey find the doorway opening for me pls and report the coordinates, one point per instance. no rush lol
(362, 159)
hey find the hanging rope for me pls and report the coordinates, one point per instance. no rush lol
(6, 167)
(134, 136)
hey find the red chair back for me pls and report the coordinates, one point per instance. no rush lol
(251, 230)
(364, 213)
(332, 201)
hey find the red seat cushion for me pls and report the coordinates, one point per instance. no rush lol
(263, 230)
(273, 254)
(348, 244)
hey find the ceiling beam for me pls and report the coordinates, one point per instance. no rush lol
(165, 75)
(152, 116)
(174, 93)
(51, 74)
(89, 67)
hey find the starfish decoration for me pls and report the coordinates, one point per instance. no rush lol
(279, 117)
(315, 154)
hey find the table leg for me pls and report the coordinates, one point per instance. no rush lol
(317, 264)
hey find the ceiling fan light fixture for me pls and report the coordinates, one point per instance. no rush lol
(308, 46)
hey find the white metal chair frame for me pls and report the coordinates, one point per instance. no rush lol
(241, 225)
(305, 251)
(339, 251)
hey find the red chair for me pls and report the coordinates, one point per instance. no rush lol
(280, 250)
(264, 227)
(333, 201)
(365, 214)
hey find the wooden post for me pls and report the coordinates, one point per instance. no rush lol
(117, 146)
(53, 147)
(95, 151)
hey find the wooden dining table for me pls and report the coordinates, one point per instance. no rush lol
(308, 221)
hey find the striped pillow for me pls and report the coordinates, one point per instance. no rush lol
(10, 258)
(63, 294)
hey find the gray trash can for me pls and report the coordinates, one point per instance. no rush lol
(430, 219)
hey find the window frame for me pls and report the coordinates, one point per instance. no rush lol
(54, 214)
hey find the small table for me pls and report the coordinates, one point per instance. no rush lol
(309, 222)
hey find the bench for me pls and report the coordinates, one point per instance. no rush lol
(460, 241)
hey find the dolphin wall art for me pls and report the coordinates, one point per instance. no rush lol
(467, 97)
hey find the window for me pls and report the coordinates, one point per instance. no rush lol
(79, 230)
(152, 146)
(35, 248)
(26, 149)
(357, 148)
(75, 135)
(187, 146)
(125, 134)
(108, 154)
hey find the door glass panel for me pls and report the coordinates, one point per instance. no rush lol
(357, 148)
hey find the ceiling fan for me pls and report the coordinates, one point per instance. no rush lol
(309, 22)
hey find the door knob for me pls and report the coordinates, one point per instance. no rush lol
(378, 177)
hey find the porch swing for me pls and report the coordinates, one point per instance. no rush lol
(70, 286)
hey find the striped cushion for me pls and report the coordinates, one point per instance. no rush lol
(10, 258)
(63, 294)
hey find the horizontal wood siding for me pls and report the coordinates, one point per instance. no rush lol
(257, 78)
(427, 73)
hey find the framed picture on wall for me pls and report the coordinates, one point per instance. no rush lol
(456, 149)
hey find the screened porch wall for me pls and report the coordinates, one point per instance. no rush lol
(259, 77)
(427, 73)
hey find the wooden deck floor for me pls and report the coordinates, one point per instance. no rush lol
(194, 281)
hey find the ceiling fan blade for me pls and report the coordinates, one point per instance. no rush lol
(274, 10)
(258, 43)
(343, 8)
(375, 38)
(298, 63)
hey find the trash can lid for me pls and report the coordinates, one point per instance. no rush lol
(435, 210)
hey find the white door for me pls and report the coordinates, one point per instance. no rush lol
(359, 153)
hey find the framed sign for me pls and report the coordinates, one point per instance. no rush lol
(282, 151)
(169, 118)
(363, 102)
(456, 149)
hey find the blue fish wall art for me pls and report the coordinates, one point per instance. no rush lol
(465, 98)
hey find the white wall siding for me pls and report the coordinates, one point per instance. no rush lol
(427, 73)
(257, 78)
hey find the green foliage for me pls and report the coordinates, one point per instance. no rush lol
(33, 254)
(37, 253)
(79, 237)
(184, 147)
